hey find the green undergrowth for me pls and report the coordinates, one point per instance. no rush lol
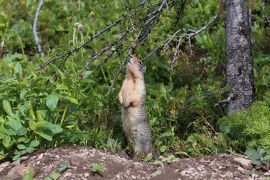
(65, 104)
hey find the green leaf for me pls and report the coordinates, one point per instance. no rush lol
(28, 176)
(7, 141)
(21, 146)
(86, 74)
(24, 109)
(253, 154)
(18, 68)
(97, 168)
(12, 57)
(72, 100)
(51, 101)
(2, 120)
(7, 107)
(41, 129)
(163, 148)
(224, 128)
(14, 124)
(266, 158)
(55, 128)
(23, 93)
(55, 175)
(148, 157)
(17, 156)
(45, 129)
(34, 143)
(63, 166)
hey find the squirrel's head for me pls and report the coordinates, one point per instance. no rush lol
(134, 61)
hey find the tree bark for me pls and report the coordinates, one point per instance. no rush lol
(239, 73)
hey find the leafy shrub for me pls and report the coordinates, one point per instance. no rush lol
(249, 128)
(67, 104)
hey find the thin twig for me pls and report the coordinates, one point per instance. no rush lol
(69, 53)
(116, 75)
(185, 36)
(107, 48)
(102, 62)
(40, 50)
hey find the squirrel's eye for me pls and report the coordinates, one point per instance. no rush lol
(140, 62)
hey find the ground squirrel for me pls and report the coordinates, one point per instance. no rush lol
(132, 97)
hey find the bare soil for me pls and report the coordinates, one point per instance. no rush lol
(45, 162)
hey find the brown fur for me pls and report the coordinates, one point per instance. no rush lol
(132, 97)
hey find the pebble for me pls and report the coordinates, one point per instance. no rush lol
(245, 163)
(4, 165)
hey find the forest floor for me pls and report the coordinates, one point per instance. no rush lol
(76, 162)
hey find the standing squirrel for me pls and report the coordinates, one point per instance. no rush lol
(132, 97)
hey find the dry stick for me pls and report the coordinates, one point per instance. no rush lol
(176, 52)
(68, 54)
(186, 36)
(167, 41)
(102, 62)
(107, 48)
(41, 2)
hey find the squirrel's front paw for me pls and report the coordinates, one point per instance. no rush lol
(126, 104)
(121, 100)
(135, 103)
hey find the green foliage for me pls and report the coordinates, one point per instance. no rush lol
(249, 128)
(97, 168)
(53, 176)
(66, 104)
(64, 166)
(257, 156)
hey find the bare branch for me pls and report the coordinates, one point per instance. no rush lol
(40, 50)
(69, 53)
(186, 36)
(107, 48)
(102, 62)
(204, 27)
(225, 101)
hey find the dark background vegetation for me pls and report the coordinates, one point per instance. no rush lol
(65, 103)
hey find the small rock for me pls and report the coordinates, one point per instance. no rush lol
(4, 165)
(254, 176)
(117, 176)
(240, 169)
(40, 156)
(200, 168)
(245, 163)
(267, 173)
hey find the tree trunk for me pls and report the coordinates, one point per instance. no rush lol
(239, 55)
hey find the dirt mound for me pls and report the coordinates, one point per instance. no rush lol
(78, 162)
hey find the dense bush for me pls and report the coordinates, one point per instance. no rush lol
(249, 128)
